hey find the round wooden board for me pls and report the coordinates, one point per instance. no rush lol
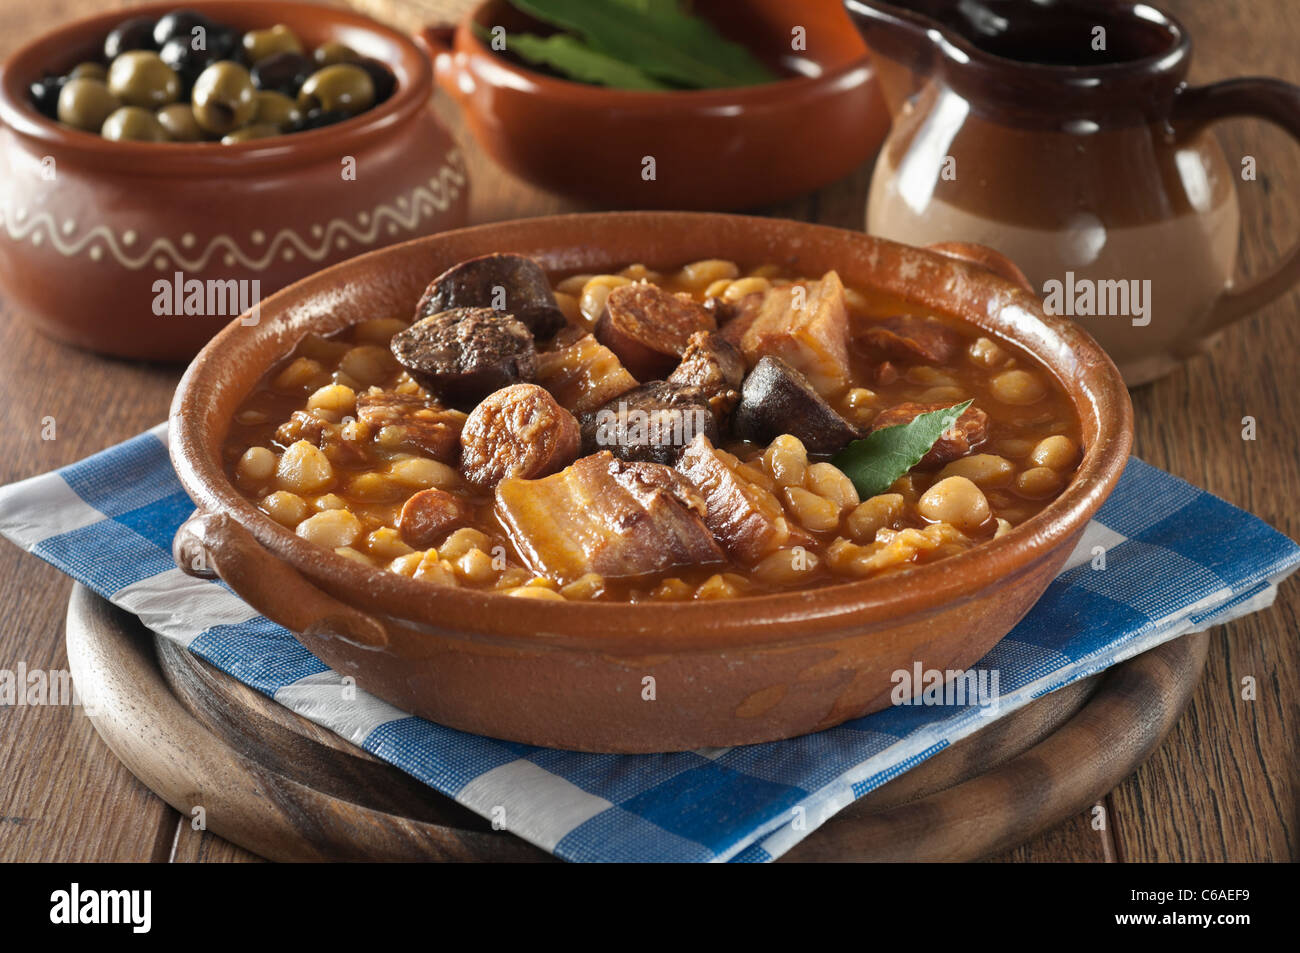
(287, 789)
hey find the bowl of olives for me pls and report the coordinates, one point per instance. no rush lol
(186, 77)
(163, 168)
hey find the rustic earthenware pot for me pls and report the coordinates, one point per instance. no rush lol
(712, 149)
(1064, 134)
(88, 227)
(574, 675)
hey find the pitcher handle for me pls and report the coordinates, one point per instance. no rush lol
(1272, 100)
(439, 44)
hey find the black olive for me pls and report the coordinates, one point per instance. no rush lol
(318, 118)
(45, 94)
(283, 73)
(383, 78)
(133, 34)
(179, 53)
(179, 23)
(223, 42)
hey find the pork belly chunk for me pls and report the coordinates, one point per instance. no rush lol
(735, 317)
(745, 517)
(608, 516)
(712, 368)
(808, 328)
(653, 422)
(423, 425)
(584, 375)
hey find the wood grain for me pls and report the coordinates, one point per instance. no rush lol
(1135, 705)
(1224, 785)
(283, 788)
(294, 795)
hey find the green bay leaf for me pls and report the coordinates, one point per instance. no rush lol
(576, 60)
(665, 43)
(878, 459)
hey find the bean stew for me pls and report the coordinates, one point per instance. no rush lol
(651, 436)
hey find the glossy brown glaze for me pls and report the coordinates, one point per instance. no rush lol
(1080, 155)
(712, 149)
(572, 675)
(88, 226)
(1011, 59)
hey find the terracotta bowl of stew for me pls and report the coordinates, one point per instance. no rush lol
(575, 674)
(713, 149)
(89, 227)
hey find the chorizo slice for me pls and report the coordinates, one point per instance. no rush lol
(776, 399)
(713, 369)
(420, 425)
(519, 431)
(649, 328)
(654, 422)
(607, 516)
(969, 431)
(510, 283)
(464, 354)
(907, 337)
(428, 517)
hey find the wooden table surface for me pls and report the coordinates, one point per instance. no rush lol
(1223, 786)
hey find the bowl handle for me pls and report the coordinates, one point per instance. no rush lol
(438, 43)
(986, 258)
(209, 545)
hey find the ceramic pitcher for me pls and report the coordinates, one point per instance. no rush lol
(1064, 134)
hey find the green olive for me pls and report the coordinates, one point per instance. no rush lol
(89, 71)
(85, 104)
(277, 109)
(177, 120)
(328, 54)
(258, 130)
(224, 98)
(141, 78)
(342, 87)
(259, 44)
(133, 123)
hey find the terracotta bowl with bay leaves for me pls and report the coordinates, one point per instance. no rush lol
(716, 149)
(574, 675)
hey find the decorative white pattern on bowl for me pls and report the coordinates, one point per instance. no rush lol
(402, 213)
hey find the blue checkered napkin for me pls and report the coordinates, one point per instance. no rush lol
(1177, 560)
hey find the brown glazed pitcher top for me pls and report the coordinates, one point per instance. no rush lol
(1063, 134)
(1032, 63)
